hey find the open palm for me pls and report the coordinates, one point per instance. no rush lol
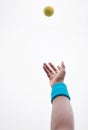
(55, 74)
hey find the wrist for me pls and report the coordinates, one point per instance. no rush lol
(60, 81)
(59, 89)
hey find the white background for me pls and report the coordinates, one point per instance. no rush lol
(27, 40)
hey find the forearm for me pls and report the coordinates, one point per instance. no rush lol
(62, 115)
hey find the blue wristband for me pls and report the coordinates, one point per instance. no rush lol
(59, 89)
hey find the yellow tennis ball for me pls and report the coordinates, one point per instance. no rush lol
(48, 11)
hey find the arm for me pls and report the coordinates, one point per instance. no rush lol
(62, 115)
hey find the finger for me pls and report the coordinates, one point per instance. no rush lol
(48, 68)
(47, 71)
(62, 65)
(58, 67)
(53, 67)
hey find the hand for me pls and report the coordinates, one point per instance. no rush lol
(54, 74)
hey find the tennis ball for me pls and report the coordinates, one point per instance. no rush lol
(48, 11)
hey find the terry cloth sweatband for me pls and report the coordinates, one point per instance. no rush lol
(59, 89)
